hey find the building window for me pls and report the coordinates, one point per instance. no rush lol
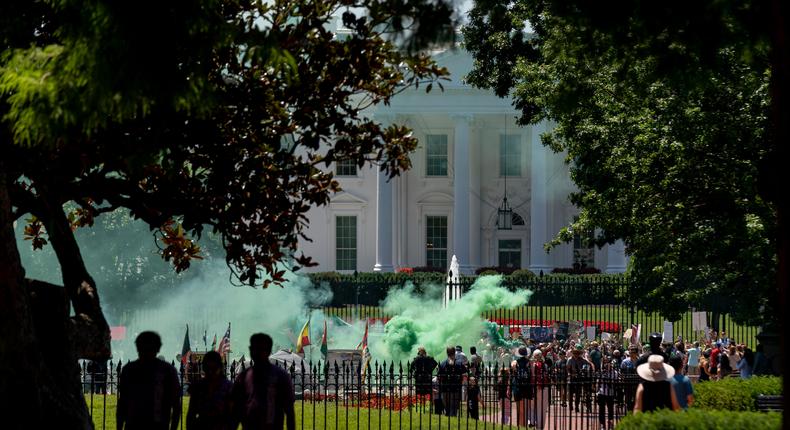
(510, 253)
(436, 243)
(346, 168)
(346, 242)
(436, 155)
(509, 155)
(583, 249)
(517, 219)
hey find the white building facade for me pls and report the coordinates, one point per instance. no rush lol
(470, 150)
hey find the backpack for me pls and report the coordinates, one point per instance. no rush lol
(520, 385)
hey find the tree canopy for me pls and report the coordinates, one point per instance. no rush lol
(665, 134)
(212, 116)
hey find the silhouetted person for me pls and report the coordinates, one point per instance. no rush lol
(99, 371)
(422, 368)
(263, 395)
(209, 398)
(148, 390)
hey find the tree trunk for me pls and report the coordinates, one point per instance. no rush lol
(39, 375)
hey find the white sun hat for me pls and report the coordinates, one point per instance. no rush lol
(655, 369)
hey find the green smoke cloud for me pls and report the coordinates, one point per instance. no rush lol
(423, 321)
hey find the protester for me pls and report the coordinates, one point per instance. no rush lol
(595, 356)
(475, 362)
(681, 383)
(654, 349)
(473, 399)
(539, 379)
(704, 366)
(451, 378)
(723, 370)
(521, 384)
(692, 361)
(460, 357)
(437, 397)
(655, 392)
(733, 356)
(606, 393)
(561, 377)
(578, 370)
(503, 394)
(422, 369)
(209, 398)
(714, 361)
(263, 395)
(148, 390)
(746, 363)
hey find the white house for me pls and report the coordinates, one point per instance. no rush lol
(470, 150)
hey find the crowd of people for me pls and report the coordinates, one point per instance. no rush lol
(518, 388)
(579, 374)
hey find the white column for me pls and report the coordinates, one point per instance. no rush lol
(383, 224)
(615, 257)
(461, 230)
(539, 227)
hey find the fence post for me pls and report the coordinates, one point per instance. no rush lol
(539, 295)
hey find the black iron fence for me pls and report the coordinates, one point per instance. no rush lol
(396, 396)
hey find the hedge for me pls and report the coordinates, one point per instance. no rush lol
(696, 419)
(369, 288)
(735, 394)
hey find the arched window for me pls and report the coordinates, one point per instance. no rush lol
(517, 219)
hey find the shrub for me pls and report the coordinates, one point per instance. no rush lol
(496, 270)
(735, 394)
(576, 270)
(523, 273)
(428, 269)
(701, 420)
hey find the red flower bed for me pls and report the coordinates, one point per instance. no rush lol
(394, 402)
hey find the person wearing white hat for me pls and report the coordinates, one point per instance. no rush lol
(655, 392)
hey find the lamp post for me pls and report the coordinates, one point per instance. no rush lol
(505, 214)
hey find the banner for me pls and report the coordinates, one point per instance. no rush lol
(589, 332)
(699, 321)
(562, 330)
(668, 335)
(541, 334)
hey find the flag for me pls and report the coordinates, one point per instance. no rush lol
(324, 346)
(635, 329)
(185, 349)
(205, 337)
(214, 343)
(363, 346)
(224, 345)
(304, 337)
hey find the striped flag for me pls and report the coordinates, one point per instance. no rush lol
(224, 345)
(324, 346)
(186, 348)
(363, 346)
(304, 337)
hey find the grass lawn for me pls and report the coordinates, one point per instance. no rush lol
(328, 415)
